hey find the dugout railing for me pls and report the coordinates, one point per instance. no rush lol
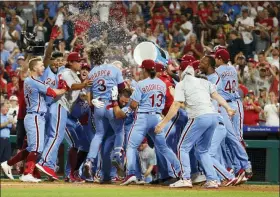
(262, 147)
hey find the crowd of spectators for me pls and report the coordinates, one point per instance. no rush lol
(249, 30)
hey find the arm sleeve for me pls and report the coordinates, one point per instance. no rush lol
(119, 77)
(137, 94)
(179, 93)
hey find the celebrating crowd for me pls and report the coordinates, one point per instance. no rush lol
(79, 37)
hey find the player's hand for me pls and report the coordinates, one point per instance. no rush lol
(159, 127)
(115, 93)
(231, 112)
(97, 103)
(87, 83)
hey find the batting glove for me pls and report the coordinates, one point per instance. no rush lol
(55, 32)
(97, 103)
(115, 93)
(62, 85)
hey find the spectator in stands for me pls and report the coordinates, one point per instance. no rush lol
(4, 54)
(177, 37)
(272, 56)
(147, 159)
(271, 111)
(187, 27)
(13, 111)
(194, 48)
(251, 109)
(263, 97)
(13, 86)
(40, 30)
(3, 82)
(275, 80)
(262, 81)
(11, 36)
(261, 39)
(236, 45)
(5, 126)
(244, 25)
(150, 36)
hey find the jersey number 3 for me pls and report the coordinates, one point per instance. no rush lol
(230, 86)
(158, 101)
(102, 86)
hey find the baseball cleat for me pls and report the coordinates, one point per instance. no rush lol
(156, 182)
(182, 183)
(36, 174)
(77, 177)
(29, 178)
(240, 176)
(129, 179)
(169, 181)
(140, 182)
(48, 171)
(88, 170)
(230, 182)
(211, 185)
(198, 178)
(248, 173)
(7, 170)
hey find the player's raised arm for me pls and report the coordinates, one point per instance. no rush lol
(54, 34)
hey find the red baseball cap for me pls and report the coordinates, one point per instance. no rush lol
(188, 58)
(148, 64)
(184, 65)
(85, 66)
(195, 64)
(74, 56)
(222, 54)
(159, 67)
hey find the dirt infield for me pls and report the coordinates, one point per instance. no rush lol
(46, 185)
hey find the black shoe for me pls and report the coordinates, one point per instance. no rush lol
(156, 182)
(170, 181)
(106, 182)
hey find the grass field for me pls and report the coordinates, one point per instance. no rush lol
(60, 189)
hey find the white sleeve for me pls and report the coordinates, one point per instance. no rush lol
(68, 78)
(179, 93)
(252, 24)
(189, 26)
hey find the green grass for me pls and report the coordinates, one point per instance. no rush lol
(77, 191)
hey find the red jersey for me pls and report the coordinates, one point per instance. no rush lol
(169, 98)
(268, 22)
(244, 89)
(81, 26)
(204, 14)
(251, 116)
(12, 90)
(21, 101)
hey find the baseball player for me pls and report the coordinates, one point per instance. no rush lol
(59, 111)
(207, 66)
(79, 132)
(34, 121)
(149, 100)
(229, 80)
(196, 93)
(172, 130)
(104, 77)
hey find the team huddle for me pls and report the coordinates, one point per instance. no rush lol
(195, 124)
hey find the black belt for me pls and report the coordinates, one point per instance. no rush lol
(228, 101)
(40, 114)
(151, 113)
(4, 138)
(220, 123)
